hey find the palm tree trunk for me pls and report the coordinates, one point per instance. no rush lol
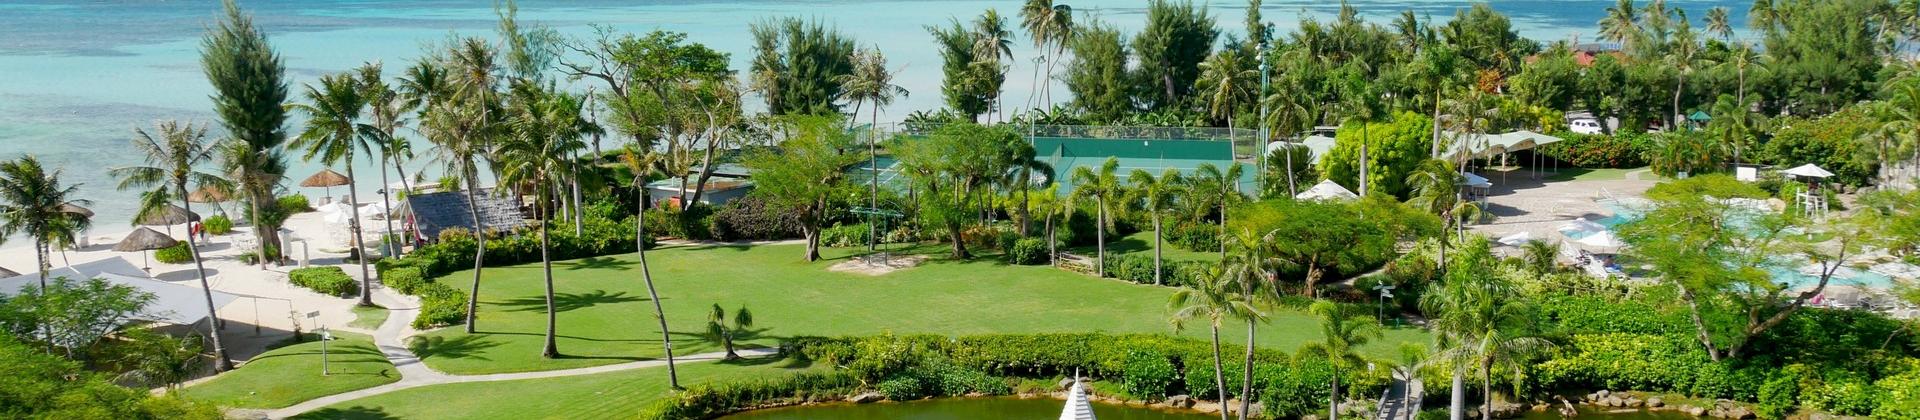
(1246, 373)
(40, 262)
(386, 201)
(873, 177)
(1363, 159)
(480, 243)
(359, 243)
(1223, 221)
(640, 248)
(1486, 383)
(1458, 409)
(1333, 398)
(1100, 236)
(404, 186)
(1219, 372)
(259, 232)
(1156, 249)
(546, 266)
(579, 218)
(221, 362)
(1053, 245)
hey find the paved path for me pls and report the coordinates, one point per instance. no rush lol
(390, 338)
(1401, 401)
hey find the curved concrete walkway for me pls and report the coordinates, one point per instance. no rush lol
(391, 336)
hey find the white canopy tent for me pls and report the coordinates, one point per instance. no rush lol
(1808, 171)
(172, 303)
(1326, 190)
(1475, 145)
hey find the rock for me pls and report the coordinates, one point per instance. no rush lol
(1181, 401)
(1537, 408)
(1632, 402)
(1695, 411)
(1064, 383)
(1611, 401)
(1740, 413)
(1656, 402)
(866, 398)
(1602, 394)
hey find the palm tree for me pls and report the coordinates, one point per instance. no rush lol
(871, 83)
(1360, 100)
(1343, 331)
(424, 85)
(1154, 193)
(1222, 188)
(463, 122)
(1763, 16)
(1717, 23)
(1481, 322)
(257, 172)
(33, 202)
(173, 159)
(1733, 121)
(1228, 84)
(386, 108)
(1213, 299)
(1899, 117)
(1621, 23)
(1741, 58)
(1682, 56)
(1436, 189)
(718, 330)
(1026, 163)
(333, 135)
(1049, 206)
(642, 163)
(544, 135)
(1249, 269)
(992, 45)
(1102, 186)
(1051, 26)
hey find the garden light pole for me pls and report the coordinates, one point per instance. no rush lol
(1264, 132)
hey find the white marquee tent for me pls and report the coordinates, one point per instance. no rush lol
(172, 303)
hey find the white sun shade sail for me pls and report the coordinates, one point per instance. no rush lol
(172, 303)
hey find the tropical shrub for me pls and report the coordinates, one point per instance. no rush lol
(1834, 142)
(1394, 149)
(329, 281)
(694, 224)
(1712, 185)
(218, 224)
(41, 385)
(844, 235)
(293, 204)
(1621, 150)
(711, 400)
(1690, 152)
(406, 280)
(1900, 398)
(1149, 375)
(440, 305)
(1779, 396)
(176, 254)
(751, 218)
(1193, 236)
(1027, 251)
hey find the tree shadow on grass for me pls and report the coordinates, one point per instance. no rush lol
(351, 413)
(457, 347)
(597, 263)
(564, 302)
(332, 352)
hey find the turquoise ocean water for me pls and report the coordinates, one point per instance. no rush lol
(76, 76)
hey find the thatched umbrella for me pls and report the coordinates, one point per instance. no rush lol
(210, 195)
(143, 240)
(168, 216)
(327, 178)
(76, 209)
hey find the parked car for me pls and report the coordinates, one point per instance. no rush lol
(1584, 126)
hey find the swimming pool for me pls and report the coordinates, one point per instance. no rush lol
(1785, 273)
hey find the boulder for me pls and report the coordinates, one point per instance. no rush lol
(1612, 401)
(1064, 383)
(1656, 402)
(1602, 394)
(1180, 401)
(1692, 410)
(866, 397)
(1740, 413)
(1632, 402)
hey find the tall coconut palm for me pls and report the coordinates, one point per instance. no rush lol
(1103, 186)
(1051, 27)
(1343, 330)
(33, 202)
(1222, 188)
(250, 89)
(536, 154)
(1481, 321)
(333, 136)
(1763, 16)
(1360, 100)
(386, 108)
(1025, 163)
(423, 85)
(1622, 22)
(1683, 55)
(1436, 189)
(1899, 116)
(1717, 23)
(463, 120)
(1250, 269)
(871, 83)
(1213, 299)
(1228, 83)
(1047, 204)
(1743, 60)
(174, 154)
(643, 164)
(1153, 194)
(993, 46)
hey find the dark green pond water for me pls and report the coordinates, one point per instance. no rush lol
(957, 409)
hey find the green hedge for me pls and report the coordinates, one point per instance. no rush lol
(218, 224)
(325, 280)
(294, 204)
(750, 218)
(176, 254)
(1621, 150)
(712, 400)
(1027, 251)
(440, 306)
(1138, 268)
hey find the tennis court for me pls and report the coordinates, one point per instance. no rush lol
(1152, 155)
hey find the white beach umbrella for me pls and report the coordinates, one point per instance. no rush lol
(1601, 242)
(1808, 171)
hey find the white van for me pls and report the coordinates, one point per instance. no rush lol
(1584, 126)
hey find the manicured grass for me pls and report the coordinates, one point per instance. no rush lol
(1142, 243)
(1597, 174)
(288, 375)
(368, 317)
(605, 316)
(604, 395)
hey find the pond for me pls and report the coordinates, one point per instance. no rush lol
(958, 409)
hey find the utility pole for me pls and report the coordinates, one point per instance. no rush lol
(1264, 133)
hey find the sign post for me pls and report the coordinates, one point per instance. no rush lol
(1386, 291)
(324, 337)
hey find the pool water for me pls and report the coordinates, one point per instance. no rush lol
(1786, 272)
(958, 409)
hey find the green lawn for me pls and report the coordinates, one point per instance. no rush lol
(288, 375)
(603, 395)
(1142, 243)
(605, 315)
(368, 317)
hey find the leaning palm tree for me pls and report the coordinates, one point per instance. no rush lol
(333, 135)
(544, 135)
(1343, 331)
(643, 164)
(1051, 27)
(871, 83)
(455, 127)
(174, 154)
(1214, 298)
(1103, 186)
(34, 203)
(386, 108)
(1153, 194)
